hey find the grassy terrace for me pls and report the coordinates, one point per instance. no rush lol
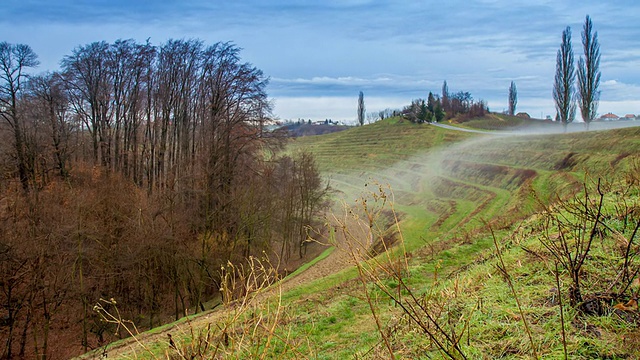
(447, 186)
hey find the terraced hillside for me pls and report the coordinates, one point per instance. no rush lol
(442, 178)
(449, 189)
(467, 211)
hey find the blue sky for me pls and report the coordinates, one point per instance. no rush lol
(320, 54)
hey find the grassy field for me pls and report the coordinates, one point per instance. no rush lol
(474, 213)
(495, 121)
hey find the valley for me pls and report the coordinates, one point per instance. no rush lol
(447, 200)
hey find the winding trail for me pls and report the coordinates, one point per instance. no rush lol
(455, 128)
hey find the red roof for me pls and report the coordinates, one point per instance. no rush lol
(609, 116)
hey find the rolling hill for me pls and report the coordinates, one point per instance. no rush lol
(470, 221)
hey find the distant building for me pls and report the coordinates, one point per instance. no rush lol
(629, 117)
(609, 117)
(523, 115)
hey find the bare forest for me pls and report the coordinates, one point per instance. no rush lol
(136, 173)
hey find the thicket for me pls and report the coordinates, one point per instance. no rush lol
(135, 173)
(437, 108)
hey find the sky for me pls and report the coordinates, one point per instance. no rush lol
(320, 54)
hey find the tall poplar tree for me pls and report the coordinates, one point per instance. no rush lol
(588, 73)
(563, 90)
(513, 98)
(361, 109)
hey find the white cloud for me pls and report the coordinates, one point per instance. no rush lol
(617, 91)
(619, 108)
(385, 80)
(326, 80)
(390, 50)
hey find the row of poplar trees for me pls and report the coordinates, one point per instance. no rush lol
(136, 172)
(587, 93)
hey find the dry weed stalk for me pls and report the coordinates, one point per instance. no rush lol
(503, 269)
(252, 321)
(562, 322)
(606, 209)
(426, 311)
(110, 314)
(570, 228)
(249, 326)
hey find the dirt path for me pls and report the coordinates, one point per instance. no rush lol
(133, 348)
(336, 261)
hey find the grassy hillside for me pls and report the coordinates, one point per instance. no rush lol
(376, 145)
(474, 273)
(496, 121)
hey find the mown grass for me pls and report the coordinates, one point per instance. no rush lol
(449, 187)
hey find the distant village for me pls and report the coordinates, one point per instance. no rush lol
(277, 123)
(614, 117)
(606, 117)
(310, 122)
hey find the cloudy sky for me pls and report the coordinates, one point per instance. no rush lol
(320, 54)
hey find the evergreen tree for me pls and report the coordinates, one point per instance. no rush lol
(445, 96)
(439, 112)
(431, 102)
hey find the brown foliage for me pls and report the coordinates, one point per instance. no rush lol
(140, 171)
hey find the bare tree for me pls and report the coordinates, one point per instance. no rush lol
(127, 66)
(51, 107)
(563, 90)
(86, 76)
(361, 109)
(179, 66)
(387, 113)
(373, 116)
(445, 97)
(513, 98)
(185, 122)
(14, 59)
(588, 73)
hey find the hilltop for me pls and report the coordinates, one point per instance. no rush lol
(306, 129)
(472, 221)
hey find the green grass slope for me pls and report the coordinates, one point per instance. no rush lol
(448, 189)
(474, 211)
(496, 121)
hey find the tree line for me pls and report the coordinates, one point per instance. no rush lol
(437, 108)
(136, 172)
